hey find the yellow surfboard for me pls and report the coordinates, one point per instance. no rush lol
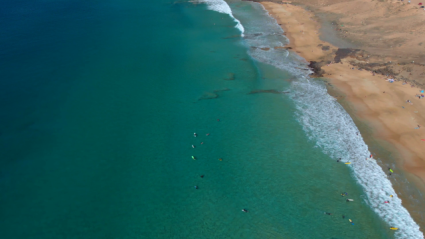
(394, 228)
(348, 163)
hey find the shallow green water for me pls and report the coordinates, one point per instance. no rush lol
(96, 137)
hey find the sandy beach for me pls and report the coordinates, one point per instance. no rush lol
(361, 69)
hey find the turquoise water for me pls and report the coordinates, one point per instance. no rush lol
(100, 103)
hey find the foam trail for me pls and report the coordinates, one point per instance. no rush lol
(329, 125)
(222, 7)
(326, 122)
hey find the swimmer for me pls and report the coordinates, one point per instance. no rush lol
(196, 187)
(208, 134)
(194, 135)
(328, 213)
(343, 216)
(202, 142)
(338, 160)
(391, 195)
(193, 146)
(387, 202)
(218, 120)
(342, 194)
(202, 176)
(244, 210)
(220, 159)
(193, 157)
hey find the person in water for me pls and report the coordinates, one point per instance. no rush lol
(328, 213)
(202, 176)
(244, 210)
(193, 146)
(196, 187)
(343, 216)
(220, 159)
(338, 160)
(208, 134)
(194, 135)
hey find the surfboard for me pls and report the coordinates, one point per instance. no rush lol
(348, 163)
(394, 228)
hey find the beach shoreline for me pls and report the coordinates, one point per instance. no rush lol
(370, 97)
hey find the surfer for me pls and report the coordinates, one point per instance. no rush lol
(193, 146)
(244, 210)
(194, 135)
(387, 202)
(391, 195)
(338, 160)
(193, 157)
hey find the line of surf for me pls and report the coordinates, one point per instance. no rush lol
(222, 7)
(326, 122)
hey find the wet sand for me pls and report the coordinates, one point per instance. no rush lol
(371, 98)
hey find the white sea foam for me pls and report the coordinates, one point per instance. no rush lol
(222, 7)
(325, 121)
(333, 130)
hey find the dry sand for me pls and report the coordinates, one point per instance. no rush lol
(391, 118)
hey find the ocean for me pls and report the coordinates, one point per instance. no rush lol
(100, 104)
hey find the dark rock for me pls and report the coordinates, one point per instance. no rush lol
(325, 48)
(316, 67)
(342, 53)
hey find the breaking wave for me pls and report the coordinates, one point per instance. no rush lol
(325, 121)
(222, 7)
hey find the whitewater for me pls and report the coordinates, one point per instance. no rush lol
(222, 7)
(323, 119)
